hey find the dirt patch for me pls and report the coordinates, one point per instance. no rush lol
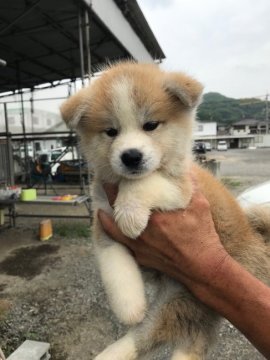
(28, 262)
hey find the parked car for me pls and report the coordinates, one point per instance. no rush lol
(258, 194)
(199, 147)
(54, 156)
(222, 145)
(208, 146)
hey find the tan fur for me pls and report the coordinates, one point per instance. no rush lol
(125, 98)
(259, 219)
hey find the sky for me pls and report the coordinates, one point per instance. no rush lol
(223, 43)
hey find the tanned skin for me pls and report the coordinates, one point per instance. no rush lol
(184, 245)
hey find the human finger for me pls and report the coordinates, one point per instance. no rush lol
(198, 203)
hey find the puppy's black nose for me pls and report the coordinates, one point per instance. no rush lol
(131, 158)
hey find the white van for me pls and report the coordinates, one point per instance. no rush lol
(222, 145)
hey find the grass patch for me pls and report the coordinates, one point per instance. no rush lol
(71, 230)
(231, 183)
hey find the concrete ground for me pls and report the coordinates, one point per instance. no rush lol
(52, 292)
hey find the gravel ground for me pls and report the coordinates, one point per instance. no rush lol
(52, 292)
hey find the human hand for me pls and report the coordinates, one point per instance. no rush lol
(183, 243)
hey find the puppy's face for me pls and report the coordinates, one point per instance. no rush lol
(134, 120)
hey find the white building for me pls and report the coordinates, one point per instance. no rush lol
(39, 121)
(207, 129)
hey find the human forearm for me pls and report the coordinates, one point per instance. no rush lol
(242, 299)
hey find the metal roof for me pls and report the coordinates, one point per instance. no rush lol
(249, 122)
(40, 43)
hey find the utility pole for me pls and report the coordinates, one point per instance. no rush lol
(267, 113)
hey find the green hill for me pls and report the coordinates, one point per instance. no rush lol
(224, 110)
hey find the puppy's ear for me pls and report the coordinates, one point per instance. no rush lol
(186, 89)
(74, 108)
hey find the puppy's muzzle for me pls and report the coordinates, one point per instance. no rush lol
(132, 158)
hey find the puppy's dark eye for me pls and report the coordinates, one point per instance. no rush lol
(111, 132)
(150, 125)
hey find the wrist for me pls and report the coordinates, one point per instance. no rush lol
(231, 288)
(217, 279)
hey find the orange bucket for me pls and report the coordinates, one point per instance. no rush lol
(45, 230)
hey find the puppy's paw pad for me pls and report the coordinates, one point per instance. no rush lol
(132, 219)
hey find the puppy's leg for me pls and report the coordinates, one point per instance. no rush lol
(176, 321)
(178, 318)
(120, 273)
(198, 350)
(181, 355)
(122, 280)
(136, 199)
(123, 349)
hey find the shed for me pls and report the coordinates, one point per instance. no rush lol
(47, 41)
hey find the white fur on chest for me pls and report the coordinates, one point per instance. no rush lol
(137, 198)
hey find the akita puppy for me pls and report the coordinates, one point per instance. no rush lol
(135, 124)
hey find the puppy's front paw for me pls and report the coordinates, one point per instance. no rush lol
(132, 219)
(130, 311)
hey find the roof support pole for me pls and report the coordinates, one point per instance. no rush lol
(32, 120)
(22, 117)
(26, 160)
(81, 45)
(9, 157)
(87, 40)
(267, 114)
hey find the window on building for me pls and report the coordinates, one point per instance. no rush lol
(240, 127)
(200, 127)
(253, 130)
(49, 122)
(37, 146)
(262, 129)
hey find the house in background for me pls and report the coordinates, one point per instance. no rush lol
(250, 132)
(39, 121)
(248, 126)
(241, 134)
(206, 132)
